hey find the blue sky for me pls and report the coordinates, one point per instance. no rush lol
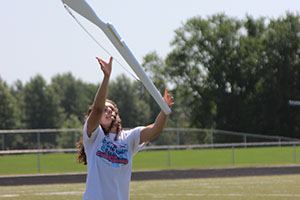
(40, 37)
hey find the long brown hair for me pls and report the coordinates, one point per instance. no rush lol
(81, 156)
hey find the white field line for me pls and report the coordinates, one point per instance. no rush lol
(9, 195)
(58, 193)
(42, 194)
(161, 195)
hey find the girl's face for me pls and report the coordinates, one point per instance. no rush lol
(108, 115)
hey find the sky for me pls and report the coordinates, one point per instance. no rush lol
(40, 37)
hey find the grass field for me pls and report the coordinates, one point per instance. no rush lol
(241, 188)
(155, 160)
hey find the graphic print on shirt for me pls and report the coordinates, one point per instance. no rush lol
(113, 154)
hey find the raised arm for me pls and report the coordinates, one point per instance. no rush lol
(100, 98)
(151, 131)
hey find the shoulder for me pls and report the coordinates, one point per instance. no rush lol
(133, 139)
(133, 130)
(131, 134)
(94, 134)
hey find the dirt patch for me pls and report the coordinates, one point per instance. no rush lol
(153, 175)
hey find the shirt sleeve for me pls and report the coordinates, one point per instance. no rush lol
(134, 140)
(86, 138)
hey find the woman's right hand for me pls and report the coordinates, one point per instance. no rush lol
(105, 67)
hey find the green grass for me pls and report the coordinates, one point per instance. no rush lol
(238, 188)
(49, 163)
(155, 160)
(215, 158)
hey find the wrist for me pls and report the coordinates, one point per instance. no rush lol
(106, 76)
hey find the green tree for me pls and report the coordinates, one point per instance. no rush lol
(41, 109)
(74, 95)
(17, 141)
(8, 117)
(133, 110)
(17, 91)
(238, 74)
(202, 67)
(153, 66)
(281, 76)
(69, 139)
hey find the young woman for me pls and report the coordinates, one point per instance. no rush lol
(107, 149)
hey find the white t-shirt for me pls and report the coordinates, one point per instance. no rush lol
(109, 163)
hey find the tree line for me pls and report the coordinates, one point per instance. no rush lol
(225, 73)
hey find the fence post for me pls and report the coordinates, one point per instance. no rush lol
(177, 137)
(279, 141)
(245, 141)
(212, 139)
(169, 159)
(295, 156)
(3, 141)
(38, 155)
(232, 155)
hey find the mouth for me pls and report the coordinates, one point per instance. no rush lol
(110, 117)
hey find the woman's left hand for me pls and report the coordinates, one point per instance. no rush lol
(168, 99)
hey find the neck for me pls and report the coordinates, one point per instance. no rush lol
(113, 130)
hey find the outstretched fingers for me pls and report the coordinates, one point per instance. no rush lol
(110, 60)
(105, 67)
(168, 99)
